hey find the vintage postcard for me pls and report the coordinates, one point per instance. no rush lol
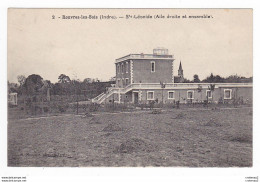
(130, 88)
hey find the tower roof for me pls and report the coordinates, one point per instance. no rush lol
(180, 66)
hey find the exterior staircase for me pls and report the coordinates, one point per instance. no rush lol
(111, 90)
(103, 96)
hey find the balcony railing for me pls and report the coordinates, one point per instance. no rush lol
(180, 86)
(144, 56)
(112, 90)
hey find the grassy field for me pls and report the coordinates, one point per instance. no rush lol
(187, 138)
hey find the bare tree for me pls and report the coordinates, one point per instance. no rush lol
(211, 88)
(163, 85)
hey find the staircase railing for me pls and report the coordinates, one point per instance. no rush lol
(107, 95)
(98, 97)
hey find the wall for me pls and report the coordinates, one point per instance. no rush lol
(122, 75)
(244, 92)
(142, 71)
(181, 95)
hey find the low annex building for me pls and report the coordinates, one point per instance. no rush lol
(141, 78)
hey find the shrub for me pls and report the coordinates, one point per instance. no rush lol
(45, 109)
(28, 102)
(93, 107)
(121, 107)
(111, 107)
(84, 107)
(63, 107)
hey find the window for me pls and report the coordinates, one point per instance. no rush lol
(152, 66)
(118, 69)
(227, 94)
(171, 95)
(190, 94)
(126, 67)
(209, 94)
(150, 95)
(122, 68)
(126, 81)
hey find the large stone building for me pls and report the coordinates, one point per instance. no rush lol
(141, 78)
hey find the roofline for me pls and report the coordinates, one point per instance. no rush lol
(144, 57)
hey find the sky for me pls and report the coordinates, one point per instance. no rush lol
(87, 48)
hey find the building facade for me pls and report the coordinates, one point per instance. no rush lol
(144, 68)
(142, 78)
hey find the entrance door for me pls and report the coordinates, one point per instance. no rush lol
(135, 97)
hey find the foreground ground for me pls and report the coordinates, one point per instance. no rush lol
(196, 138)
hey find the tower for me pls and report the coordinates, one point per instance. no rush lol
(180, 71)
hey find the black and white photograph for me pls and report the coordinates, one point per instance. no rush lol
(117, 87)
(137, 91)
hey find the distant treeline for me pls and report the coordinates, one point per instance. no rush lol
(218, 79)
(36, 85)
(89, 87)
